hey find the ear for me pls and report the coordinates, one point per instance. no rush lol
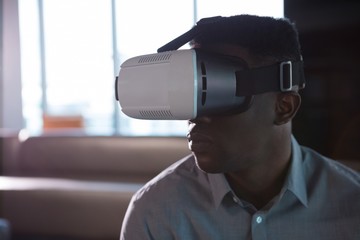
(287, 105)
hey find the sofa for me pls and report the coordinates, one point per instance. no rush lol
(74, 186)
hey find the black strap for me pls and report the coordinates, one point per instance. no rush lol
(180, 41)
(268, 79)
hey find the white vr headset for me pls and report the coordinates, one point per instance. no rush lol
(185, 84)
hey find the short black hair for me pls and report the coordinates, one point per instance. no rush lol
(262, 36)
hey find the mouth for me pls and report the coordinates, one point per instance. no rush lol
(199, 142)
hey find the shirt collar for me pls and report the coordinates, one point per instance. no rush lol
(295, 180)
(219, 187)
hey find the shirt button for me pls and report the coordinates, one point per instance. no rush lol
(259, 219)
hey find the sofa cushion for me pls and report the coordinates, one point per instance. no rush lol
(45, 208)
(134, 159)
(10, 141)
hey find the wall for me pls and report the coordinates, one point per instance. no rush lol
(10, 71)
(329, 119)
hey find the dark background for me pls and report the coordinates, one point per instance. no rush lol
(329, 118)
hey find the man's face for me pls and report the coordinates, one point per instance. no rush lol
(235, 142)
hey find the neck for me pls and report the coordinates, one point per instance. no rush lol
(259, 183)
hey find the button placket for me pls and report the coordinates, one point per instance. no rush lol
(258, 228)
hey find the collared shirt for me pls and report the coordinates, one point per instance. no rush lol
(319, 200)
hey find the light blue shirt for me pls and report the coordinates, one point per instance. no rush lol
(319, 201)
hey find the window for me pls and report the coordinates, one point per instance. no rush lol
(72, 50)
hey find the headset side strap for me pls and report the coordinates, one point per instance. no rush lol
(274, 78)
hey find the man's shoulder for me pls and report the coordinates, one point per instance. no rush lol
(170, 180)
(327, 168)
(181, 168)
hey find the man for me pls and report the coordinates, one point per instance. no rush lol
(248, 178)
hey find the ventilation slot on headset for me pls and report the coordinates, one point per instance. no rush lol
(204, 83)
(155, 58)
(156, 114)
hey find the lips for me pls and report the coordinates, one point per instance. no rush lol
(199, 142)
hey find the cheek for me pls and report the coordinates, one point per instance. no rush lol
(244, 133)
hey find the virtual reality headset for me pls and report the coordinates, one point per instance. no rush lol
(185, 84)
